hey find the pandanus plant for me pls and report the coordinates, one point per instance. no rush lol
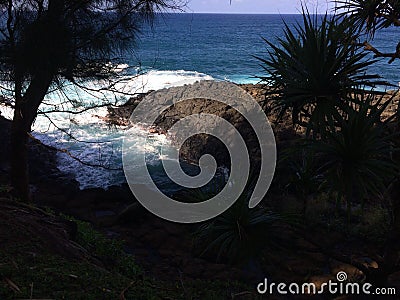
(240, 234)
(357, 152)
(319, 72)
(314, 67)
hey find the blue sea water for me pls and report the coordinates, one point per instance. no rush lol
(176, 49)
(224, 45)
(221, 46)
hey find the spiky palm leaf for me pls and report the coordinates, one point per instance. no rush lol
(313, 67)
(239, 234)
(370, 14)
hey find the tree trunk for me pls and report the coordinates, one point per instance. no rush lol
(25, 112)
(19, 157)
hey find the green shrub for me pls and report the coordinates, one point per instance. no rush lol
(109, 251)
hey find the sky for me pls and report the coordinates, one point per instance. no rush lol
(256, 6)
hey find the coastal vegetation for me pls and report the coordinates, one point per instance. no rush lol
(333, 204)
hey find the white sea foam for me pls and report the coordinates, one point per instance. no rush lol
(155, 80)
(104, 147)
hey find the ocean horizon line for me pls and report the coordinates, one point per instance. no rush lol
(238, 13)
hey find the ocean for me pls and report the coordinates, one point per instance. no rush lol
(224, 45)
(177, 49)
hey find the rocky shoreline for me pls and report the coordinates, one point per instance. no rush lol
(43, 161)
(201, 144)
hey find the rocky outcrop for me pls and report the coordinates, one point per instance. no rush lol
(198, 145)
